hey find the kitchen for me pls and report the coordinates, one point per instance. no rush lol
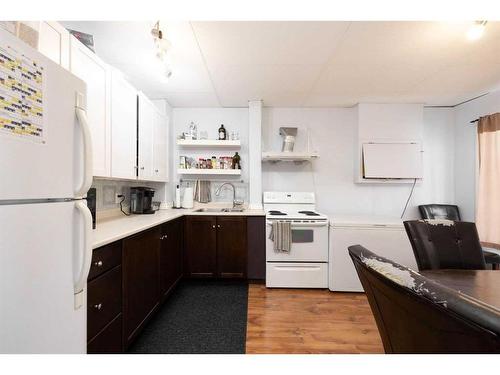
(206, 175)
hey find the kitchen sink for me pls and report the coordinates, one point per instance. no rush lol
(219, 210)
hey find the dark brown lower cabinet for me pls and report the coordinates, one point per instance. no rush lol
(171, 255)
(256, 240)
(231, 247)
(104, 300)
(109, 340)
(141, 291)
(215, 246)
(129, 278)
(200, 246)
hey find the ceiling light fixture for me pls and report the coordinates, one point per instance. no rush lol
(476, 30)
(162, 47)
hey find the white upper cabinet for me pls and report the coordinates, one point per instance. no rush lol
(145, 131)
(160, 147)
(152, 155)
(53, 42)
(123, 128)
(96, 74)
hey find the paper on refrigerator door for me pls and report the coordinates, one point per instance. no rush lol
(21, 96)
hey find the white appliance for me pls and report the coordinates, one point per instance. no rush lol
(383, 236)
(46, 227)
(306, 265)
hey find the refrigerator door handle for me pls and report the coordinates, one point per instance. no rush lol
(87, 147)
(87, 254)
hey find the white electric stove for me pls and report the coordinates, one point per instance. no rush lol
(306, 265)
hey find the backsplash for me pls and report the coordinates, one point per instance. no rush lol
(226, 195)
(106, 191)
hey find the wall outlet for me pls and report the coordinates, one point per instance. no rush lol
(109, 193)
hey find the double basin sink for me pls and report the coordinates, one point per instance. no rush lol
(235, 209)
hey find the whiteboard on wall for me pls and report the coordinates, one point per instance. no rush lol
(392, 160)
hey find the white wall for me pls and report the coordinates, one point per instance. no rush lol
(465, 150)
(332, 132)
(209, 120)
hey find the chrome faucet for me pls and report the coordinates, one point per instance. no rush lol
(236, 203)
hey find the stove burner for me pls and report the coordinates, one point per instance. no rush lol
(274, 213)
(309, 213)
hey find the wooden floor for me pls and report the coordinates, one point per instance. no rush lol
(309, 321)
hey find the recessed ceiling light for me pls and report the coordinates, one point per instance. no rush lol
(476, 30)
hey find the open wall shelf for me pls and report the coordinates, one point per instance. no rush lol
(208, 143)
(289, 156)
(219, 172)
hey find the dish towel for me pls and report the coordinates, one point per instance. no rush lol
(281, 235)
(202, 191)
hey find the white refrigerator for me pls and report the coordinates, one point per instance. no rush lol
(45, 225)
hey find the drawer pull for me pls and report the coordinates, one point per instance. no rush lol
(98, 306)
(213, 226)
(98, 263)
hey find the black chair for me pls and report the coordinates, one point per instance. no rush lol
(439, 244)
(451, 212)
(416, 315)
(439, 211)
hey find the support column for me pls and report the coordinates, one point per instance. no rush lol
(255, 153)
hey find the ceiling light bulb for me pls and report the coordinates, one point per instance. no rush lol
(476, 31)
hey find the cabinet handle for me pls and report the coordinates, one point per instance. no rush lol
(142, 168)
(136, 167)
(156, 170)
(213, 226)
(218, 225)
(98, 264)
(164, 237)
(98, 306)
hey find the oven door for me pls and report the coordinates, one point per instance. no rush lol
(309, 244)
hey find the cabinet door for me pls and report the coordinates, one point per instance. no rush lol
(95, 73)
(140, 279)
(231, 247)
(200, 246)
(170, 255)
(123, 128)
(53, 42)
(160, 148)
(256, 243)
(146, 124)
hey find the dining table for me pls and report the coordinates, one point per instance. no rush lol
(483, 285)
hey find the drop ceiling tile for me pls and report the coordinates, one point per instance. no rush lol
(268, 42)
(448, 86)
(264, 81)
(189, 99)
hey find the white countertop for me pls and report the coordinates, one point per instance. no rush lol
(118, 227)
(365, 220)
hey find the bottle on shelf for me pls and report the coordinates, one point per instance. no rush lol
(236, 161)
(222, 133)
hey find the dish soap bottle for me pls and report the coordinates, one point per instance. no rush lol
(236, 161)
(222, 133)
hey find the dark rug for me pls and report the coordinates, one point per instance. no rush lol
(199, 317)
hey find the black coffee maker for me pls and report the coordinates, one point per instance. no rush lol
(141, 200)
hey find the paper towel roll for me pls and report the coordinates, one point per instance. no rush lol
(187, 199)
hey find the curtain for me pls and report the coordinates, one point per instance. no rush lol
(488, 201)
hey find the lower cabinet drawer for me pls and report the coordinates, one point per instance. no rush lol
(109, 340)
(296, 275)
(105, 258)
(104, 300)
